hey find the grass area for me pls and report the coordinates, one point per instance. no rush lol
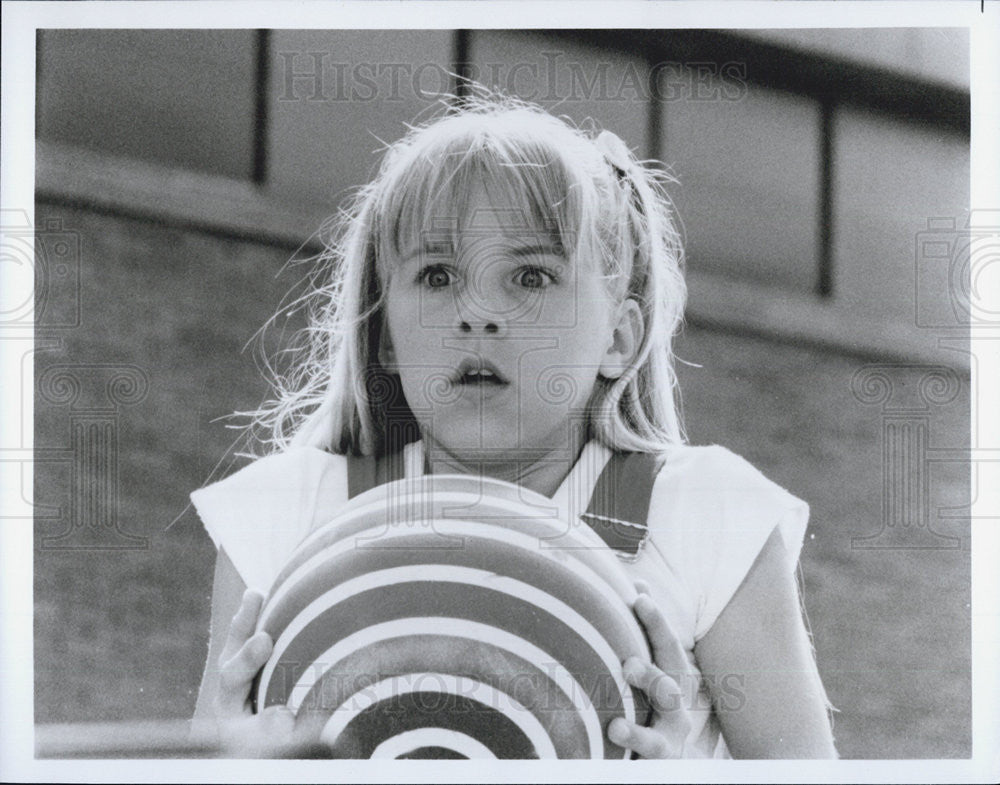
(122, 634)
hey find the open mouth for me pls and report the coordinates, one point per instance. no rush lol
(479, 373)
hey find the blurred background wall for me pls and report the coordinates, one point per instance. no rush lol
(823, 176)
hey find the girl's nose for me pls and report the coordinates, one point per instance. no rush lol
(486, 326)
(480, 311)
(484, 305)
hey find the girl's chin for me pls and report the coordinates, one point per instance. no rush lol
(482, 452)
(500, 445)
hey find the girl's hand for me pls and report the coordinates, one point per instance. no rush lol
(665, 736)
(272, 733)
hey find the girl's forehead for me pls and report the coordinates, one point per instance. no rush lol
(498, 211)
(479, 207)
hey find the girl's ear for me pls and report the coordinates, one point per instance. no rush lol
(626, 338)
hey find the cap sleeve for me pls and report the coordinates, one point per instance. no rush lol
(717, 513)
(260, 513)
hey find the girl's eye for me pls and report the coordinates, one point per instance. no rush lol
(533, 278)
(435, 276)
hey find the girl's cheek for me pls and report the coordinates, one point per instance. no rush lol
(437, 311)
(562, 313)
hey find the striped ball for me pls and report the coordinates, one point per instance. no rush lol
(454, 617)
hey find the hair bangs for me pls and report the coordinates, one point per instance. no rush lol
(430, 189)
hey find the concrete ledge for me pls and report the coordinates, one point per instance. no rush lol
(141, 739)
(127, 186)
(240, 209)
(719, 302)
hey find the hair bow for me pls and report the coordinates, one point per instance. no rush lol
(615, 151)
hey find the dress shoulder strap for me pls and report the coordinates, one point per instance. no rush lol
(619, 506)
(364, 472)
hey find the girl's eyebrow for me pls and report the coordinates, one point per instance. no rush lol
(529, 246)
(423, 246)
(549, 247)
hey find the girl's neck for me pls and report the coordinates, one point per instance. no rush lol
(542, 473)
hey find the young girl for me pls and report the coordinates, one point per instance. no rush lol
(501, 300)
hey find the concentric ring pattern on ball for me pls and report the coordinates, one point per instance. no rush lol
(454, 617)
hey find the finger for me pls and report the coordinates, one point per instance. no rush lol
(667, 651)
(647, 742)
(237, 674)
(275, 733)
(278, 726)
(664, 693)
(263, 735)
(306, 741)
(642, 587)
(243, 624)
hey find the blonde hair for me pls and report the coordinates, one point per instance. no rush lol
(586, 188)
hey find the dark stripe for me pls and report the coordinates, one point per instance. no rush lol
(432, 753)
(39, 85)
(365, 472)
(413, 710)
(391, 467)
(461, 66)
(654, 116)
(619, 506)
(261, 101)
(461, 601)
(392, 510)
(463, 658)
(824, 282)
(478, 604)
(542, 572)
(360, 474)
